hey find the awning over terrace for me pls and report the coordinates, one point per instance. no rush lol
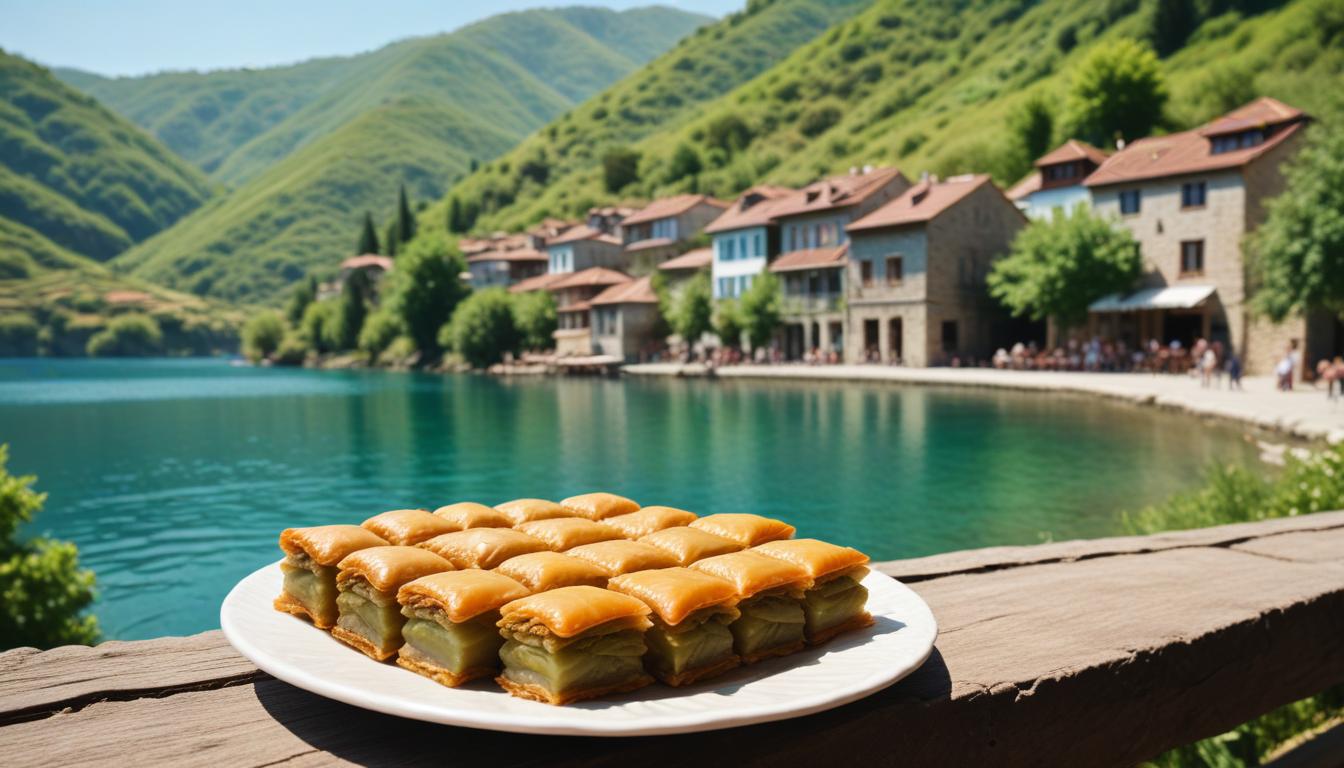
(1166, 297)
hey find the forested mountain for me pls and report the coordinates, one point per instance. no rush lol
(947, 87)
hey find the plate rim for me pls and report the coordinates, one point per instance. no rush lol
(691, 722)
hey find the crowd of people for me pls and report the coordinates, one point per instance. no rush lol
(1209, 360)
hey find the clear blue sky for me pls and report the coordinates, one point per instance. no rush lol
(129, 37)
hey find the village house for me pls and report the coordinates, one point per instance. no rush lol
(1057, 183)
(813, 253)
(374, 267)
(574, 293)
(507, 266)
(594, 243)
(625, 320)
(1190, 198)
(916, 273)
(661, 229)
(744, 239)
(681, 268)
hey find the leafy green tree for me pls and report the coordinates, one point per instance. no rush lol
(18, 335)
(262, 334)
(1117, 91)
(728, 323)
(1171, 23)
(293, 349)
(1298, 253)
(425, 288)
(534, 316)
(304, 293)
(620, 169)
(320, 327)
(127, 336)
(354, 308)
(456, 223)
(1032, 127)
(379, 331)
(761, 311)
(368, 237)
(1057, 268)
(729, 133)
(405, 219)
(685, 162)
(391, 239)
(482, 328)
(693, 308)
(43, 591)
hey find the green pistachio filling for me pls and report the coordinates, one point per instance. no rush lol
(767, 622)
(314, 586)
(590, 662)
(833, 603)
(371, 615)
(457, 648)
(673, 653)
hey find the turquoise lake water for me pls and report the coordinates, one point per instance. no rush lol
(175, 477)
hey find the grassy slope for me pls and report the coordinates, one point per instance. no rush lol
(80, 176)
(930, 86)
(418, 118)
(664, 94)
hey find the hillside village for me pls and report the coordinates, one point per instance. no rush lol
(873, 266)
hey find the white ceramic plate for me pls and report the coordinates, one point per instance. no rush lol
(849, 667)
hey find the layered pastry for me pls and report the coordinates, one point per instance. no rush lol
(563, 533)
(483, 548)
(690, 639)
(542, 571)
(599, 506)
(311, 557)
(408, 526)
(370, 618)
(771, 590)
(690, 544)
(469, 514)
(527, 510)
(573, 643)
(746, 529)
(649, 519)
(621, 556)
(837, 601)
(451, 634)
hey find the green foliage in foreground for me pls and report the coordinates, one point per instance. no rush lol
(482, 328)
(262, 335)
(128, 336)
(1058, 267)
(1235, 495)
(43, 591)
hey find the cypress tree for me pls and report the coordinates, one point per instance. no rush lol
(368, 237)
(390, 237)
(405, 219)
(455, 215)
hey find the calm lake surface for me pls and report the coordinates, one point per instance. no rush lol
(175, 477)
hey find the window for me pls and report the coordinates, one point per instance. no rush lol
(1234, 141)
(895, 270)
(760, 245)
(1192, 257)
(1129, 202)
(1193, 194)
(730, 246)
(866, 273)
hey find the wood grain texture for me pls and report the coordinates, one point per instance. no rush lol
(1097, 653)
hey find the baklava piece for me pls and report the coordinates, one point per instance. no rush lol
(599, 506)
(772, 621)
(747, 530)
(690, 639)
(648, 520)
(563, 533)
(408, 527)
(311, 556)
(469, 514)
(837, 601)
(690, 544)
(483, 548)
(621, 556)
(543, 571)
(573, 643)
(370, 617)
(527, 510)
(451, 627)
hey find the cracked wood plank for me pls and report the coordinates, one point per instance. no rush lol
(1103, 660)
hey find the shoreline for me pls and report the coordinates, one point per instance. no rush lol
(1303, 413)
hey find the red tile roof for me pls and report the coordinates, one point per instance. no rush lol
(638, 291)
(536, 283)
(696, 259)
(670, 206)
(367, 260)
(1071, 150)
(921, 202)
(517, 254)
(1262, 112)
(652, 242)
(1030, 183)
(755, 215)
(584, 232)
(578, 306)
(838, 192)
(812, 258)
(589, 277)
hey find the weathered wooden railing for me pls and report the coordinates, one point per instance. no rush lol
(1088, 653)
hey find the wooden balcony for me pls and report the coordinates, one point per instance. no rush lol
(1093, 653)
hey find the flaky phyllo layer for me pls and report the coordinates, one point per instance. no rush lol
(370, 614)
(312, 585)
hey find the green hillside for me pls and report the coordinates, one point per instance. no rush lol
(78, 176)
(514, 71)
(929, 86)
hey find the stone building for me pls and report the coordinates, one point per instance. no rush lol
(574, 293)
(625, 320)
(663, 228)
(916, 273)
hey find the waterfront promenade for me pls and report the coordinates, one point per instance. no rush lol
(1304, 412)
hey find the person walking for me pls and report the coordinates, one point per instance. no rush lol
(1233, 371)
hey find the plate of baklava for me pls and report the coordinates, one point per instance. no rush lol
(589, 616)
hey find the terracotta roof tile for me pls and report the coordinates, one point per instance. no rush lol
(767, 200)
(367, 260)
(536, 283)
(670, 206)
(578, 306)
(921, 202)
(583, 232)
(1178, 154)
(1262, 112)
(1030, 183)
(1071, 150)
(811, 258)
(589, 277)
(517, 254)
(837, 192)
(638, 291)
(650, 243)
(696, 259)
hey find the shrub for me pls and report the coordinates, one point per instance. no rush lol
(379, 331)
(482, 328)
(320, 327)
(43, 591)
(685, 162)
(262, 334)
(620, 169)
(818, 119)
(127, 336)
(18, 336)
(761, 311)
(534, 316)
(293, 350)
